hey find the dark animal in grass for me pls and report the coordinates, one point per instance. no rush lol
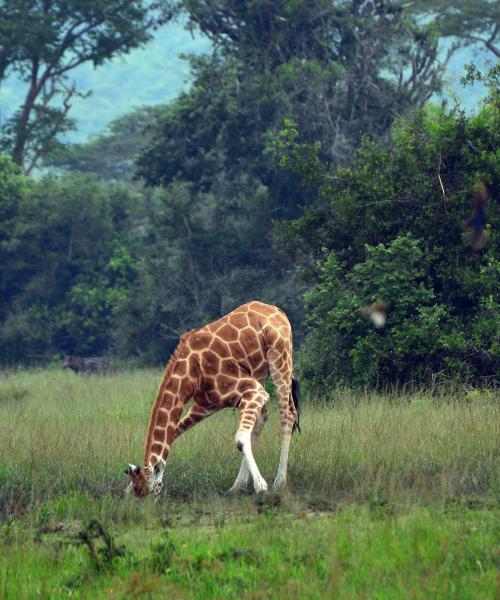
(95, 364)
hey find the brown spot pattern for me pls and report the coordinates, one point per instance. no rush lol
(199, 340)
(186, 388)
(220, 348)
(225, 384)
(239, 320)
(161, 419)
(230, 367)
(237, 351)
(210, 363)
(180, 368)
(159, 435)
(255, 359)
(245, 385)
(249, 340)
(228, 333)
(173, 384)
(209, 384)
(156, 449)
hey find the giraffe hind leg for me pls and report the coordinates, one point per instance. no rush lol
(286, 424)
(280, 367)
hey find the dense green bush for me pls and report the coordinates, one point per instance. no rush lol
(65, 264)
(393, 228)
(421, 339)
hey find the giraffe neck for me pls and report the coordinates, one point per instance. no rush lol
(173, 394)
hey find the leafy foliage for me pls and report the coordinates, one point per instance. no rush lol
(90, 266)
(109, 155)
(337, 69)
(66, 264)
(200, 257)
(44, 41)
(475, 23)
(413, 250)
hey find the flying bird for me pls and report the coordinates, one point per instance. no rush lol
(377, 312)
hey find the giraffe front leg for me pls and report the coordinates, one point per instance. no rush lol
(241, 481)
(251, 404)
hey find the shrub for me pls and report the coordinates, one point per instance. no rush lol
(393, 228)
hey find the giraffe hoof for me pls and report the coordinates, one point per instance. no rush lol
(279, 484)
(260, 487)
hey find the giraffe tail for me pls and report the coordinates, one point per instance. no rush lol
(296, 404)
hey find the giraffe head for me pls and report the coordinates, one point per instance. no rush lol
(146, 480)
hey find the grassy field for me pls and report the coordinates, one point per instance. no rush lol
(390, 496)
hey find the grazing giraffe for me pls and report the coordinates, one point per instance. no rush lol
(224, 364)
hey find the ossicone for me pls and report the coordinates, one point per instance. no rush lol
(132, 469)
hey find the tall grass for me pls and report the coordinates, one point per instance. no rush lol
(63, 434)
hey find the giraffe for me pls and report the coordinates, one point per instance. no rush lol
(222, 365)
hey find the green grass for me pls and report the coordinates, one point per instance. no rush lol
(351, 554)
(390, 496)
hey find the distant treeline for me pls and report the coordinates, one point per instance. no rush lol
(304, 162)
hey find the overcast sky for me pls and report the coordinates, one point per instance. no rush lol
(155, 74)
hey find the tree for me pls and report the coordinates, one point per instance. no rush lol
(66, 265)
(393, 228)
(336, 68)
(44, 40)
(109, 155)
(475, 22)
(343, 347)
(198, 258)
(13, 189)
